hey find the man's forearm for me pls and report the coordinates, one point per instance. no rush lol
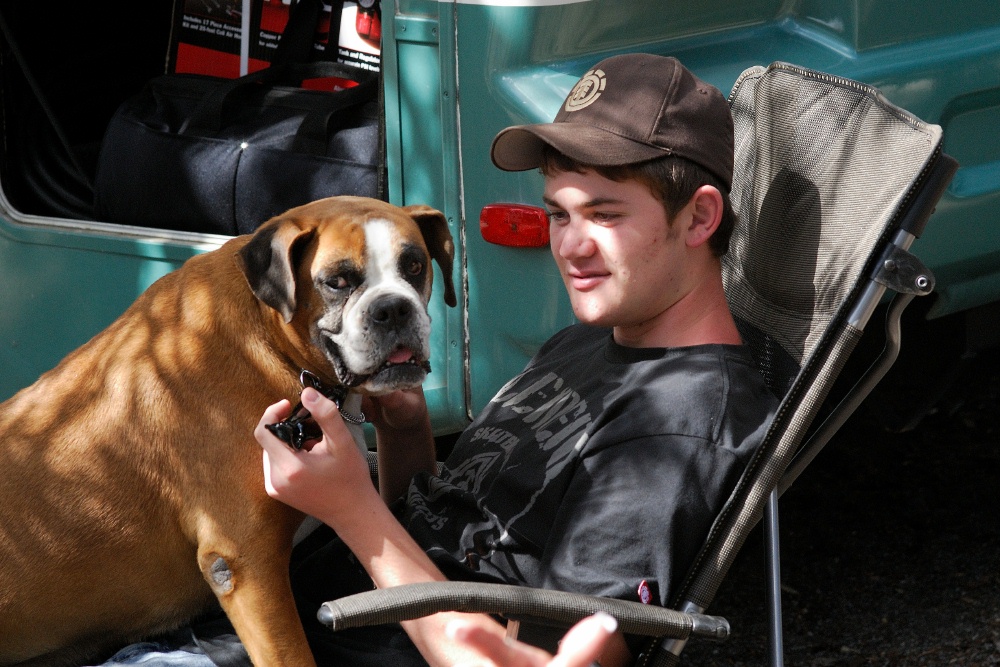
(393, 558)
(329, 481)
(402, 453)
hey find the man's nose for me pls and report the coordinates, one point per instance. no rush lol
(575, 240)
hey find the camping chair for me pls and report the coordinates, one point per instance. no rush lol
(833, 183)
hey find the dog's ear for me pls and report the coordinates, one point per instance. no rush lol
(434, 228)
(269, 262)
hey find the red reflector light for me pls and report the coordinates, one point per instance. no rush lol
(515, 225)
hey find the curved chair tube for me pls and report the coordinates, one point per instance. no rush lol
(400, 603)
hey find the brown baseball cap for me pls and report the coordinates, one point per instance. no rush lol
(627, 109)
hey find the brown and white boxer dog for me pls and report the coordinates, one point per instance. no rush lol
(131, 486)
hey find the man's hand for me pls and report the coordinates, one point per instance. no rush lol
(405, 442)
(328, 478)
(580, 647)
(401, 410)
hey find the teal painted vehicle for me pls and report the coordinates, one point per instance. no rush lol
(457, 72)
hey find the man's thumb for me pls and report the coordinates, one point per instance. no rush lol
(323, 410)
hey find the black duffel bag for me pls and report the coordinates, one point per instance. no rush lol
(198, 153)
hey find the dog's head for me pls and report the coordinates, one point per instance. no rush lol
(351, 279)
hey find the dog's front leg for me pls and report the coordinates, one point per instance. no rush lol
(254, 590)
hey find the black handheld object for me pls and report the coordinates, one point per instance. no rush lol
(300, 427)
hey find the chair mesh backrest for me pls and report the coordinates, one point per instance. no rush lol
(823, 165)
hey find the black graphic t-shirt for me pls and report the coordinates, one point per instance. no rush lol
(598, 469)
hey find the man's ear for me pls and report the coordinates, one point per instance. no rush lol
(434, 228)
(706, 213)
(268, 261)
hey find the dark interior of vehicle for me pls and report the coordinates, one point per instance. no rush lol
(64, 69)
(178, 154)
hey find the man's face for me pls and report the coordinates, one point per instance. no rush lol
(622, 264)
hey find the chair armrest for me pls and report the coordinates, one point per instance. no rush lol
(401, 603)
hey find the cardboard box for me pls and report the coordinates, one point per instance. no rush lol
(229, 38)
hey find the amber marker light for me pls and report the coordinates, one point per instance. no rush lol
(514, 225)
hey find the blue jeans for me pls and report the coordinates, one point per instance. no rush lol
(155, 654)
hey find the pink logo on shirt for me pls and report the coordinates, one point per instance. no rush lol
(644, 595)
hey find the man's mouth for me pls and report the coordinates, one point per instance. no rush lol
(585, 280)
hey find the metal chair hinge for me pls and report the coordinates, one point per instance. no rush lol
(902, 272)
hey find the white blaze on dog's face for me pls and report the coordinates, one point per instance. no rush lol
(351, 279)
(375, 323)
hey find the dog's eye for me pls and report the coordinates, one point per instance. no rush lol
(338, 282)
(415, 268)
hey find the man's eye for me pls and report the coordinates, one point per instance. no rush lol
(558, 217)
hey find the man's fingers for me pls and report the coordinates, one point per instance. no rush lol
(493, 648)
(585, 641)
(268, 484)
(580, 647)
(272, 415)
(325, 413)
(400, 409)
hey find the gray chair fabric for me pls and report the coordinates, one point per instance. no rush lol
(824, 167)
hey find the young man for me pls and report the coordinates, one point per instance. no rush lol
(600, 468)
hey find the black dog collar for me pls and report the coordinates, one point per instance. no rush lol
(300, 427)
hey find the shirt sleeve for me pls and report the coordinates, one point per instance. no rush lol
(634, 516)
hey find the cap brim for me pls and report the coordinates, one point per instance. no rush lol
(521, 147)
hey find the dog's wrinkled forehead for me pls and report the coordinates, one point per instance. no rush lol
(365, 239)
(372, 245)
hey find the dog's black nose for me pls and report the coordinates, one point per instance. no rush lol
(391, 312)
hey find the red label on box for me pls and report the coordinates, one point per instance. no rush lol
(208, 36)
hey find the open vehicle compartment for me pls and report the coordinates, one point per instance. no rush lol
(454, 74)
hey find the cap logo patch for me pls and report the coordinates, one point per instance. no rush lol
(586, 91)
